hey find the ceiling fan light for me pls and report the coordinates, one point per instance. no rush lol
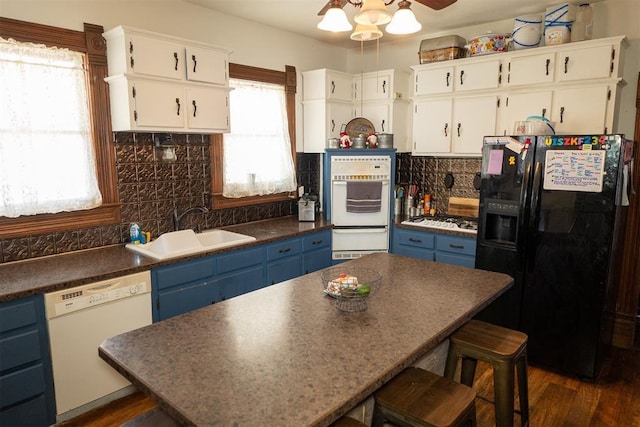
(366, 33)
(335, 20)
(373, 12)
(404, 21)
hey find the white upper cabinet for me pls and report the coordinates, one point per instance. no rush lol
(456, 103)
(157, 82)
(434, 80)
(327, 84)
(382, 85)
(483, 74)
(585, 63)
(527, 69)
(207, 65)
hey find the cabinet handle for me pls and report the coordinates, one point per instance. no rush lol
(446, 126)
(284, 251)
(178, 104)
(131, 62)
(411, 239)
(544, 112)
(317, 242)
(448, 78)
(175, 56)
(382, 125)
(130, 47)
(333, 125)
(333, 86)
(459, 126)
(566, 61)
(461, 74)
(456, 246)
(561, 114)
(195, 107)
(193, 57)
(548, 63)
(384, 86)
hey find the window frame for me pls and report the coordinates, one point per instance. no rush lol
(286, 78)
(92, 44)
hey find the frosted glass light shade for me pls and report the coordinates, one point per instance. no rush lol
(365, 33)
(335, 20)
(403, 22)
(373, 12)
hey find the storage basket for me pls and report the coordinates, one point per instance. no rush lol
(442, 49)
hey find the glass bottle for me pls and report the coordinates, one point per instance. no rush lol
(583, 26)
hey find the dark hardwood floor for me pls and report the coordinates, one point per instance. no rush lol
(555, 400)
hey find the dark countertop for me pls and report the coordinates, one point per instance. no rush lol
(51, 273)
(284, 355)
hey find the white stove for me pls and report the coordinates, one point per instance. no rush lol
(451, 223)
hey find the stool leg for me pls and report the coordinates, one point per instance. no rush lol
(378, 417)
(468, 371)
(523, 389)
(503, 376)
(452, 361)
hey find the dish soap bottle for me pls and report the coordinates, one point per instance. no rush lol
(134, 233)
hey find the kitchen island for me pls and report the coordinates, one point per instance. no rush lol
(285, 356)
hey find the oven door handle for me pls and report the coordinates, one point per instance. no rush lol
(360, 230)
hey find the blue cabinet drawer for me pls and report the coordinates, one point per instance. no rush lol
(21, 385)
(283, 249)
(32, 412)
(239, 283)
(414, 238)
(17, 315)
(458, 245)
(240, 259)
(19, 349)
(185, 298)
(321, 239)
(185, 272)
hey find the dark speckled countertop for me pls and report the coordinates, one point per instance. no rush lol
(41, 275)
(285, 356)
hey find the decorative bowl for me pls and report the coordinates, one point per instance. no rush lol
(351, 286)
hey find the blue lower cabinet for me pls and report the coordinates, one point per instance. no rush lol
(416, 244)
(241, 271)
(182, 287)
(316, 251)
(458, 250)
(26, 381)
(284, 260)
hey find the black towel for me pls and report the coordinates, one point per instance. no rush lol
(364, 196)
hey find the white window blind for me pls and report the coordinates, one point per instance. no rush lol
(257, 151)
(47, 159)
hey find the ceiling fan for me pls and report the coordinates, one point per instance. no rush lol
(433, 4)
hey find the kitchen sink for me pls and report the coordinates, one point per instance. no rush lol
(187, 242)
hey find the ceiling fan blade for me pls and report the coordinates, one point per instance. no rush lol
(328, 6)
(436, 4)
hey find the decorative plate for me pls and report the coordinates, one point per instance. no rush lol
(358, 126)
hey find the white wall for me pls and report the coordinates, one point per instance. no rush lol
(611, 18)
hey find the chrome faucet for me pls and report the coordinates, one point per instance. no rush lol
(177, 218)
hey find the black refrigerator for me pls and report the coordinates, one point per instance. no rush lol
(547, 216)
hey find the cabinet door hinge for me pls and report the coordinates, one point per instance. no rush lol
(498, 103)
(135, 115)
(133, 91)
(609, 95)
(158, 303)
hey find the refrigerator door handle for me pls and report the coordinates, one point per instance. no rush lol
(524, 195)
(535, 194)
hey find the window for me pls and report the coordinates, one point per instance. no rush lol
(44, 125)
(90, 44)
(255, 163)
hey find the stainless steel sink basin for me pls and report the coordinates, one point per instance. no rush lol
(186, 242)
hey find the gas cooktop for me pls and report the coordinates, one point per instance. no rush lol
(445, 222)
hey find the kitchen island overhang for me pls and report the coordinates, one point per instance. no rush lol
(284, 355)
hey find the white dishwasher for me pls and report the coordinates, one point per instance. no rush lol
(79, 319)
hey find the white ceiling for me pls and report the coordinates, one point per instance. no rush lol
(300, 16)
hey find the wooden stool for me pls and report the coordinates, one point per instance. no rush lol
(347, 422)
(506, 350)
(420, 398)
